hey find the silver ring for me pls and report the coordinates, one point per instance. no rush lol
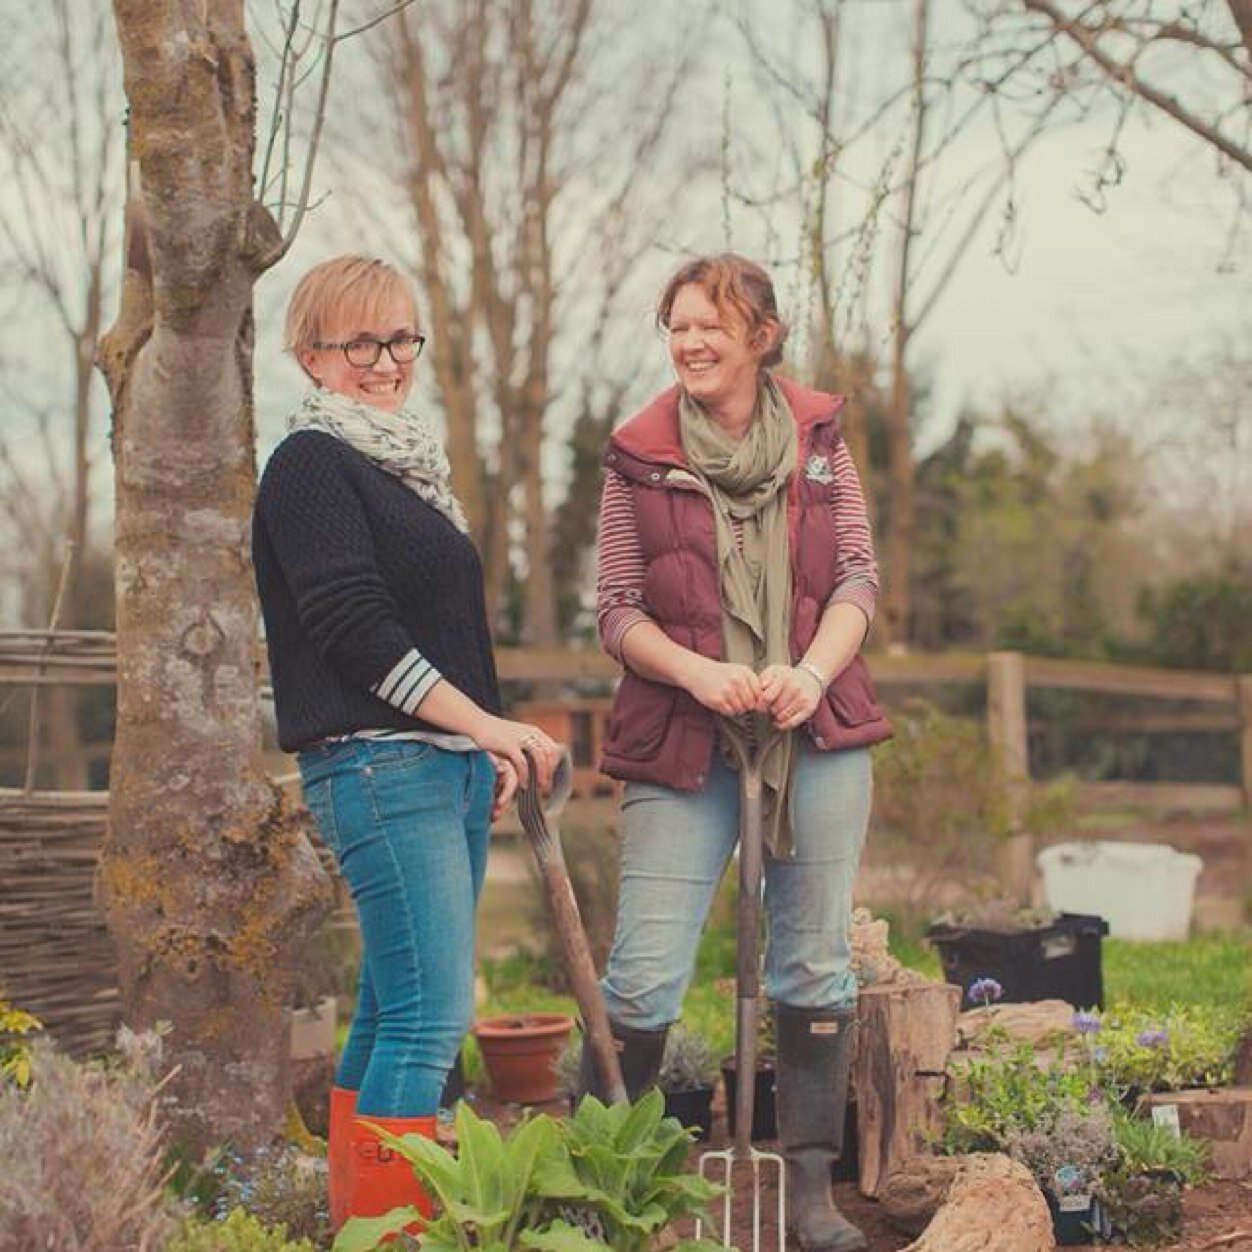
(530, 741)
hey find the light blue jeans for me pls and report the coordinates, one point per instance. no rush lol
(675, 847)
(409, 824)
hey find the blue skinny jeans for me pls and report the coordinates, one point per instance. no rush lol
(675, 848)
(409, 824)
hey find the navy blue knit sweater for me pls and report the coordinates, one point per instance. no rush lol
(367, 592)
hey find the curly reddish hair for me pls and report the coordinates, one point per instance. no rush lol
(739, 288)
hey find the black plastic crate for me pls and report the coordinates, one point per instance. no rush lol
(1059, 961)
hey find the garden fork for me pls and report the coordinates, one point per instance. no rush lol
(571, 936)
(751, 749)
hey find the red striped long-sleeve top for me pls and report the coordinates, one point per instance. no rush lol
(620, 566)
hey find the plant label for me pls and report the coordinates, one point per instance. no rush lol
(1167, 1115)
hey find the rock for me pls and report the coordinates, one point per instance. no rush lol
(872, 962)
(1037, 1022)
(991, 1202)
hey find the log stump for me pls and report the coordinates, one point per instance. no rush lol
(907, 1028)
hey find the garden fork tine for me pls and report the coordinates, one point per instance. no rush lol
(571, 936)
(751, 755)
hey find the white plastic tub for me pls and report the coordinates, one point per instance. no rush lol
(1143, 890)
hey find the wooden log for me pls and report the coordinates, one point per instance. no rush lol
(992, 1202)
(907, 1029)
(1222, 1117)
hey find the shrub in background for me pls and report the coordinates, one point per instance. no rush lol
(941, 812)
(591, 860)
(82, 1156)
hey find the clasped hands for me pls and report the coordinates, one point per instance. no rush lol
(788, 694)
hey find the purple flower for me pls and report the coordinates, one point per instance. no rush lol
(1086, 1023)
(984, 991)
(1099, 1055)
(1095, 1095)
(1152, 1038)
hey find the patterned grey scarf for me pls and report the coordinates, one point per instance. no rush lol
(404, 444)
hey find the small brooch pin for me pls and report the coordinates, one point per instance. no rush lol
(818, 470)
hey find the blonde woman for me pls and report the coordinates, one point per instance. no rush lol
(385, 687)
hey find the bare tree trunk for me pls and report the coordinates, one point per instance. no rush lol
(900, 469)
(210, 885)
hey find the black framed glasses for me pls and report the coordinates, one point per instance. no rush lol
(364, 352)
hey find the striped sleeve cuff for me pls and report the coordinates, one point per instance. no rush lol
(614, 624)
(408, 682)
(858, 591)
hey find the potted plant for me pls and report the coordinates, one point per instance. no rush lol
(1067, 1157)
(568, 1069)
(520, 1051)
(687, 1077)
(1142, 1191)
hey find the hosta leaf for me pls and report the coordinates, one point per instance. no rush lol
(436, 1167)
(559, 1237)
(362, 1234)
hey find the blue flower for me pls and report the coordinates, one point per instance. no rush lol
(1086, 1023)
(1152, 1038)
(984, 991)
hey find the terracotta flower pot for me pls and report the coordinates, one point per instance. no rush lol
(520, 1051)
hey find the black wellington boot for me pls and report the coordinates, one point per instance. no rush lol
(814, 1063)
(639, 1053)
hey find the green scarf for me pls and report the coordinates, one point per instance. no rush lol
(748, 481)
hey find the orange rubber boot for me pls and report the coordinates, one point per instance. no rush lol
(338, 1132)
(380, 1178)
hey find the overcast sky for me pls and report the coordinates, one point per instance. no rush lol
(1095, 304)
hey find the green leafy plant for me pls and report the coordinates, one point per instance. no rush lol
(16, 1027)
(1005, 1093)
(486, 1194)
(1185, 1046)
(628, 1164)
(1144, 1145)
(609, 1177)
(239, 1231)
(1145, 1208)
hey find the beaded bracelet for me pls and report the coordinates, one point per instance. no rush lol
(809, 668)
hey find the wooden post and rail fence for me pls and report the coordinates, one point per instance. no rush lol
(52, 942)
(41, 658)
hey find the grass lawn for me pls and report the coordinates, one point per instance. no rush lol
(1211, 971)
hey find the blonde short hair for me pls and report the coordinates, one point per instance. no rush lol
(345, 291)
(737, 286)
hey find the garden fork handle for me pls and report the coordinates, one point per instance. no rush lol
(751, 755)
(567, 922)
